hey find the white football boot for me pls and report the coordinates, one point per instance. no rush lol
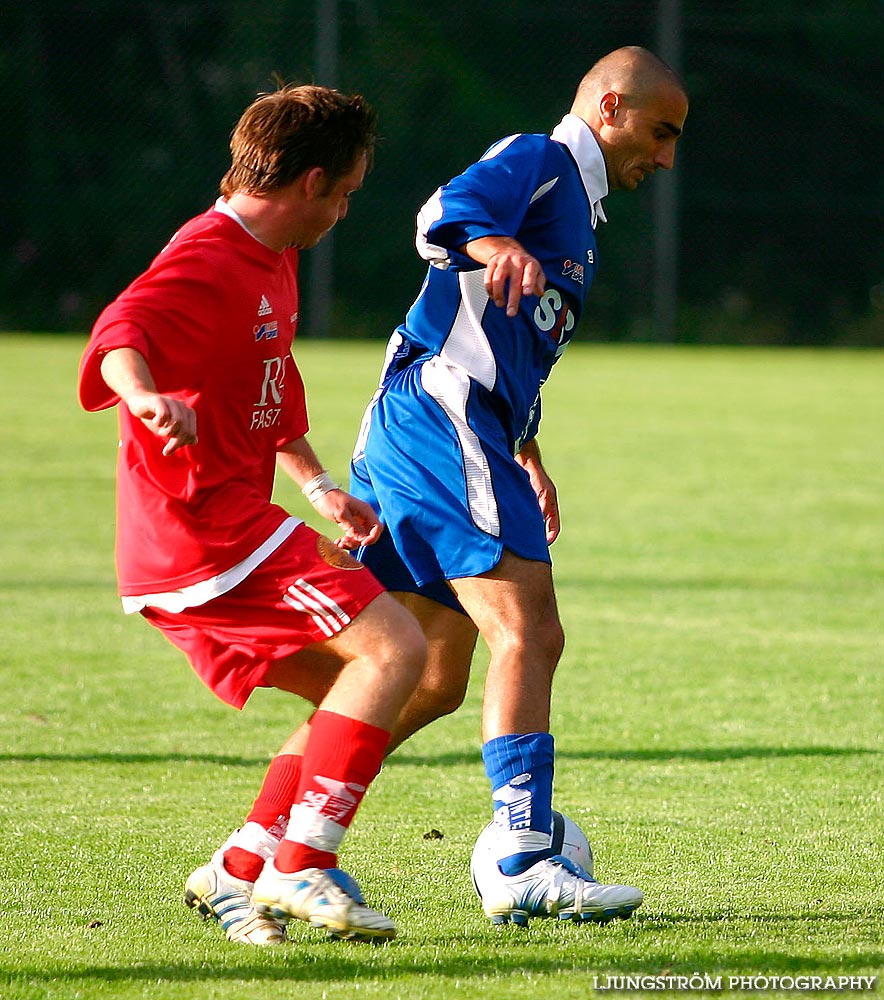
(215, 894)
(554, 887)
(323, 897)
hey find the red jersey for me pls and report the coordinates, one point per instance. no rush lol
(214, 316)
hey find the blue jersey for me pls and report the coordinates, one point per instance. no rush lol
(460, 390)
(544, 192)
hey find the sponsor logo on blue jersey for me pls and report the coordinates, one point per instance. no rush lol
(574, 271)
(553, 317)
(267, 331)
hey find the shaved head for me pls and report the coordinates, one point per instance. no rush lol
(632, 72)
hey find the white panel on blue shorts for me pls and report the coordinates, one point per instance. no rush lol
(450, 388)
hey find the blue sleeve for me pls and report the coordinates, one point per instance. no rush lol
(490, 198)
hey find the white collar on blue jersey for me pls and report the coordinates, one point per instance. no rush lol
(574, 133)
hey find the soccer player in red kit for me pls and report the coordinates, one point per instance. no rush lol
(197, 353)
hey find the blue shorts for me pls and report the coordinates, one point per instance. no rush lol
(435, 463)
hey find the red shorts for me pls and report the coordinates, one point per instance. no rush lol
(306, 591)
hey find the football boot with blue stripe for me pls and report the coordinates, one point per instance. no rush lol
(554, 887)
(215, 894)
(323, 897)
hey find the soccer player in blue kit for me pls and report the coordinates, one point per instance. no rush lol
(449, 459)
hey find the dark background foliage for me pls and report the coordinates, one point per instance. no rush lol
(116, 115)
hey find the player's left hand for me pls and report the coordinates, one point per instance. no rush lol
(356, 519)
(548, 500)
(544, 489)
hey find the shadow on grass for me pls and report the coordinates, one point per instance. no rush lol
(455, 757)
(706, 754)
(124, 757)
(517, 955)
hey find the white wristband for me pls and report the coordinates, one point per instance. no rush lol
(319, 486)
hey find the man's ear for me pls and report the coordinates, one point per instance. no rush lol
(315, 183)
(609, 103)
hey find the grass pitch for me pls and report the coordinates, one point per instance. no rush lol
(718, 712)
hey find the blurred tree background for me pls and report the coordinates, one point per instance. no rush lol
(116, 115)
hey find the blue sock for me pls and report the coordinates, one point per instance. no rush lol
(520, 769)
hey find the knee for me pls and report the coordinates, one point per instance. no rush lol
(412, 649)
(540, 643)
(404, 648)
(441, 693)
(547, 645)
(555, 643)
(549, 636)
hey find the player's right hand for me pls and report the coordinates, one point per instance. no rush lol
(356, 519)
(167, 417)
(510, 274)
(510, 271)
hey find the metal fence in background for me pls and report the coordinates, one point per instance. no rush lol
(116, 115)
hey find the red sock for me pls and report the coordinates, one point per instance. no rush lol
(243, 864)
(342, 758)
(279, 791)
(271, 809)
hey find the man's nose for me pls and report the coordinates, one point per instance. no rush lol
(665, 157)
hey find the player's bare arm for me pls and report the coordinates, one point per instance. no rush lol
(543, 486)
(126, 372)
(356, 519)
(510, 271)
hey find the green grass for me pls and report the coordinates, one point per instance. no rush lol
(718, 711)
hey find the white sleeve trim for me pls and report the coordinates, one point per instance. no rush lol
(431, 212)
